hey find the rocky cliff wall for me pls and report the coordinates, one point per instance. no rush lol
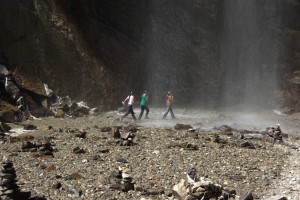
(97, 51)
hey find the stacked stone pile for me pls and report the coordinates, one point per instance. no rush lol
(8, 183)
(204, 188)
(43, 147)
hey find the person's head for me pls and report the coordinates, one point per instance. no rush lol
(169, 93)
(132, 93)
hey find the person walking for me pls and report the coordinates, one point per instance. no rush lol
(169, 100)
(130, 99)
(143, 102)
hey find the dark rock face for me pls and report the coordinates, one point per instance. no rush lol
(98, 51)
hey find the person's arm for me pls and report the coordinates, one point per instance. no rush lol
(125, 100)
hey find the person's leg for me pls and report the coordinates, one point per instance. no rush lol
(142, 112)
(166, 113)
(147, 112)
(132, 113)
(171, 111)
(127, 112)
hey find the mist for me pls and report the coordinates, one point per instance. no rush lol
(226, 58)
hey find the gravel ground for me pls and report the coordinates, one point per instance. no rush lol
(159, 158)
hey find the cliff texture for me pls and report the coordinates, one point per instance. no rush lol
(98, 51)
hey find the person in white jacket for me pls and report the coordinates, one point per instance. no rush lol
(130, 99)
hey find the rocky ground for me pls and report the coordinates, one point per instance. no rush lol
(68, 158)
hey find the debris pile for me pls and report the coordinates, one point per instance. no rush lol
(125, 135)
(204, 188)
(9, 186)
(118, 180)
(43, 147)
(275, 133)
(65, 106)
(21, 99)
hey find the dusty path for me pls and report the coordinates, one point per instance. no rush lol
(288, 183)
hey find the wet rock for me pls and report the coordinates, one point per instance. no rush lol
(105, 129)
(75, 193)
(55, 129)
(128, 142)
(120, 181)
(152, 192)
(121, 160)
(29, 127)
(131, 128)
(37, 198)
(225, 128)
(216, 138)
(82, 110)
(115, 133)
(4, 127)
(247, 196)
(283, 198)
(104, 150)
(127, 136)
(56, 186)
(206, 189)
(248, 145)
(3, 71)
(192, 176)
(81, 134)
(191, 147)
(237, 177)
(74, 176)
(94, 111)
(26, 81)
(191, 130)
(182, 127)
(45, 155)
(97, 157)
(78, 150)
(183, 145)
(168, 192)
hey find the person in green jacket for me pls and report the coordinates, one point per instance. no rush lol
(144, 106)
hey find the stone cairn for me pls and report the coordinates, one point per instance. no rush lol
(8, 185)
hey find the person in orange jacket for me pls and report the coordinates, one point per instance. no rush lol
(169, 100)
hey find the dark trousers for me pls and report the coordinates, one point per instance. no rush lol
(129, 110)
(144, 107)
(169, 109)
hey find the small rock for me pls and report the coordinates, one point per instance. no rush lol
(56, 186)
(182, 127)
